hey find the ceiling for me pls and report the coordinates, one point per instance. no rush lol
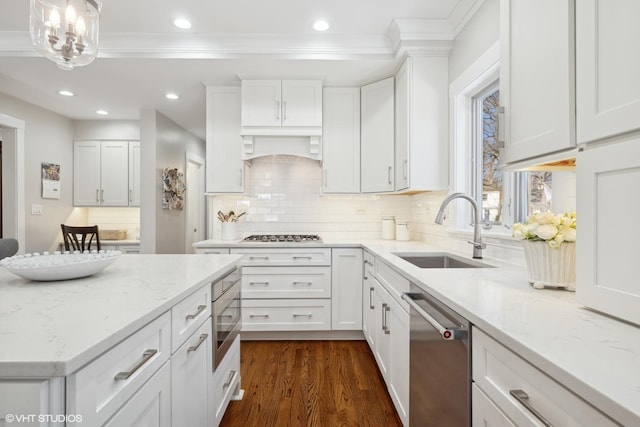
(143, 56)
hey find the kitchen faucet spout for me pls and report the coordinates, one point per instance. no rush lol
(478, 246)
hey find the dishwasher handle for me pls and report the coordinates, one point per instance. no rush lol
(447, 333)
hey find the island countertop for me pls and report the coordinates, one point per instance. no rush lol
(50, 329)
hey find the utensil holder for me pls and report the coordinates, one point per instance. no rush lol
(229, 230)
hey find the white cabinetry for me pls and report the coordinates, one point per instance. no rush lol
(225, 168)
(281, 103)
(341, 140)
(421, 124)
(377, 137)
(125, 249)
(31, 396)
(607, 255)
(368, 309)
(101, 173)
(502, 375)
(607, 86)
(134, 173)
(537, 77)
(346, 288)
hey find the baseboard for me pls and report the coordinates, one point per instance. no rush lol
(301, 335)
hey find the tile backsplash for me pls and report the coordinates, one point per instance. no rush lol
(116, 219)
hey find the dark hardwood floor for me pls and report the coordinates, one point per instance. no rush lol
(310, 383)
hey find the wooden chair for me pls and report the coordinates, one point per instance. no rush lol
(80, 238)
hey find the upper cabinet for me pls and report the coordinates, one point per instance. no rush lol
(377, 137)
(608, 86)
(134, 173)
(421, 123)
(225, 168)
(101, 174)
(341, 140)
(537, 76)
(292, 104)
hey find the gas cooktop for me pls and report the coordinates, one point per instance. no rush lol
(282, 238)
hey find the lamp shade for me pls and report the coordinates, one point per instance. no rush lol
(66, 31)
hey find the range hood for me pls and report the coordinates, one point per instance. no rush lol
(254, 146)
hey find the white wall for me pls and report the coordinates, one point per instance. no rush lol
(48, 138)
(123, 130)
(163, 143)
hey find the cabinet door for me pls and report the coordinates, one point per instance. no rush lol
(86, 173)
(402, 134)
(607, 86)
(31, 396)
(225, 168)
(377, 137)
(190, 371)
(150, 406)
(382, 350)
(606, 270)
(301, 103)
(397, 322)
(261, 102)
(537, 69)
(134, 173)
(114, 173)
(341, 140)
(346, 289)
(368, 310)
(484, 412)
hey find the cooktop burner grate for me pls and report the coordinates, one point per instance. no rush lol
(278, 238)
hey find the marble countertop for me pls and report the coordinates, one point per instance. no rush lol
(50, 329)
(595, 355)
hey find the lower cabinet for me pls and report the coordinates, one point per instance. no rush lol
(521, 393)
(346, 288)
(225, 384)
(32, 396)
(125, 249)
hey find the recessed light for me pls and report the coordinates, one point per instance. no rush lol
(66, 93)
(182, 23)
(102, 112)
(321, 25)
(171, 96)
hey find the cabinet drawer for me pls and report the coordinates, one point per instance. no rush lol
(394, 282)
(286, 282)
(188, 315)
(286, 315)
(292, 256)
(213, 251)
(497, 371)
(98, 390)
(369, 263)
(484, 412)
(226, 379)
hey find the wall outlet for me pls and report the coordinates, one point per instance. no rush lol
(361, 211)
(37, 210)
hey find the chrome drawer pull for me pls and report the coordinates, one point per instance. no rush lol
(302, 283)
(385, 310)
(258, 283)
(146, 356)
(232, 375)
(371, 307)
(523, 398)
(258, 257)
(202, 339)
(302, 315)
(201, 308)
(302, 257)
(258, 315)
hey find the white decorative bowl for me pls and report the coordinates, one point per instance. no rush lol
(59, 266)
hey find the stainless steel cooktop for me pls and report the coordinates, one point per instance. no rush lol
(282, 238)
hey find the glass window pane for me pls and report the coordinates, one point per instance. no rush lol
(540, 191)
(491, 170)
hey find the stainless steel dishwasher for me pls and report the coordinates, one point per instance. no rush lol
(439, 363)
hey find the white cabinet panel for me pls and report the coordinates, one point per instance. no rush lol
(286, 315)
(484, 412)
(86, 173)
(301, 103)
(286, 282)
(341, 140)
(225, 168)
(607, 86)
(606, 269)
(377, 136)
(134, 173)
(114, 173)
(537, 77)
(261, 102)
(346, 289)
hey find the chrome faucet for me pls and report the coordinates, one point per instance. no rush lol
(478, 246)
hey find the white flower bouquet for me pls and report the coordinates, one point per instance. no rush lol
(547, 227)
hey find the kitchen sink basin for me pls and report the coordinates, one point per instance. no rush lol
(441, 260)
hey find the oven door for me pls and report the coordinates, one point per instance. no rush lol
(227, 321)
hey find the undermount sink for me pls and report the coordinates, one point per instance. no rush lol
(440, 260)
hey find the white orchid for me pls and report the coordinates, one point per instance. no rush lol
(547, 227)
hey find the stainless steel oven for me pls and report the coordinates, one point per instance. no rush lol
(226, 314)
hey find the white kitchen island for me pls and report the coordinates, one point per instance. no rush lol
(51, 331)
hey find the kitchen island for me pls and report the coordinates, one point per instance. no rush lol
(50, 331)
(595, 356)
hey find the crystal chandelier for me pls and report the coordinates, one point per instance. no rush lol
(66, 31)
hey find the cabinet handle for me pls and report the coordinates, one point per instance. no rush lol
(302, 315)
(405, 169)
(258, 283)
(253, 258)
(277, 111)
(102, 195)
(258, 315)
(202, 339)
(130, 195)
(371, 307)
(232, 375)
(384, 327)
(302, 257)
(385, 310)
(97, 195)
(523, 399)
(389, 175)
(146, 356)
(240, 181)
(201, 308)
(302, 283)
(284, 111)
(501, 121)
